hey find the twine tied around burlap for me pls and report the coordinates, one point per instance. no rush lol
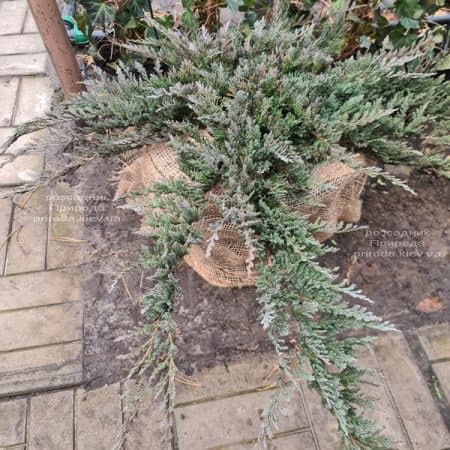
(334, 197)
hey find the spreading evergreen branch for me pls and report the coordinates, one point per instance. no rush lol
(254, 112)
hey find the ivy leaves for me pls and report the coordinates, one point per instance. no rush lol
(409, 9)
(126, 13)
(100, 12)
(391, 23)
(188, 18)
(411, 14)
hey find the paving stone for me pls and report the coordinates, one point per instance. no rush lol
(51, 421)
(65, 243)
(324, 423)
(19, 65)
(442, 372)
(5, 217)
(231, 420)
(435, 341)
(26, 247)
(30, 25)
(31, 141)
(12, 422)
(15, 44)
(35, 99)
(303, 441)
(297, 441)
(41, 368)
(12, 16)
(244, 375)
(383, 412)
(414, 402)
(41, 288)
(144, 432)
(40, 326)
(5, 133)
(22, 170)
(8, 92)
(98, 418)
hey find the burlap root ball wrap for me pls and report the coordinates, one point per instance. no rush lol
(334, 196)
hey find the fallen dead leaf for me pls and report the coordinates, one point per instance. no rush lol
(430, 304)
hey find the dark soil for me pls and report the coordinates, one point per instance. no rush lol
(403, 255)
(207, 330)
(110, 312)
(217, 325)
(402, 258)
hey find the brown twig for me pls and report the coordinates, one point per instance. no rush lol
(17, 238)
(67, 239)
(125, 285)
(34, 187)
(141, 282)
(10, 235)
(269, 374)
(187, 381)
(22, 205)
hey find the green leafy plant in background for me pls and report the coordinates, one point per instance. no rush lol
(125, 21)
(120, 22)
(373, 23)
(390, 23)
(411, 16)
(277, 102)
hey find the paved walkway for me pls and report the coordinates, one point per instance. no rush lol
(43, 403)
(224, 412)
(435, 341)
(24, 87)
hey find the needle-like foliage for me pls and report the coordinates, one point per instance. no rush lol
(275, 103)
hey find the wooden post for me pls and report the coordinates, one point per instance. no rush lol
(48, 20)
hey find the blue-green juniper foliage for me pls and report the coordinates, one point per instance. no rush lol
(276, 102)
